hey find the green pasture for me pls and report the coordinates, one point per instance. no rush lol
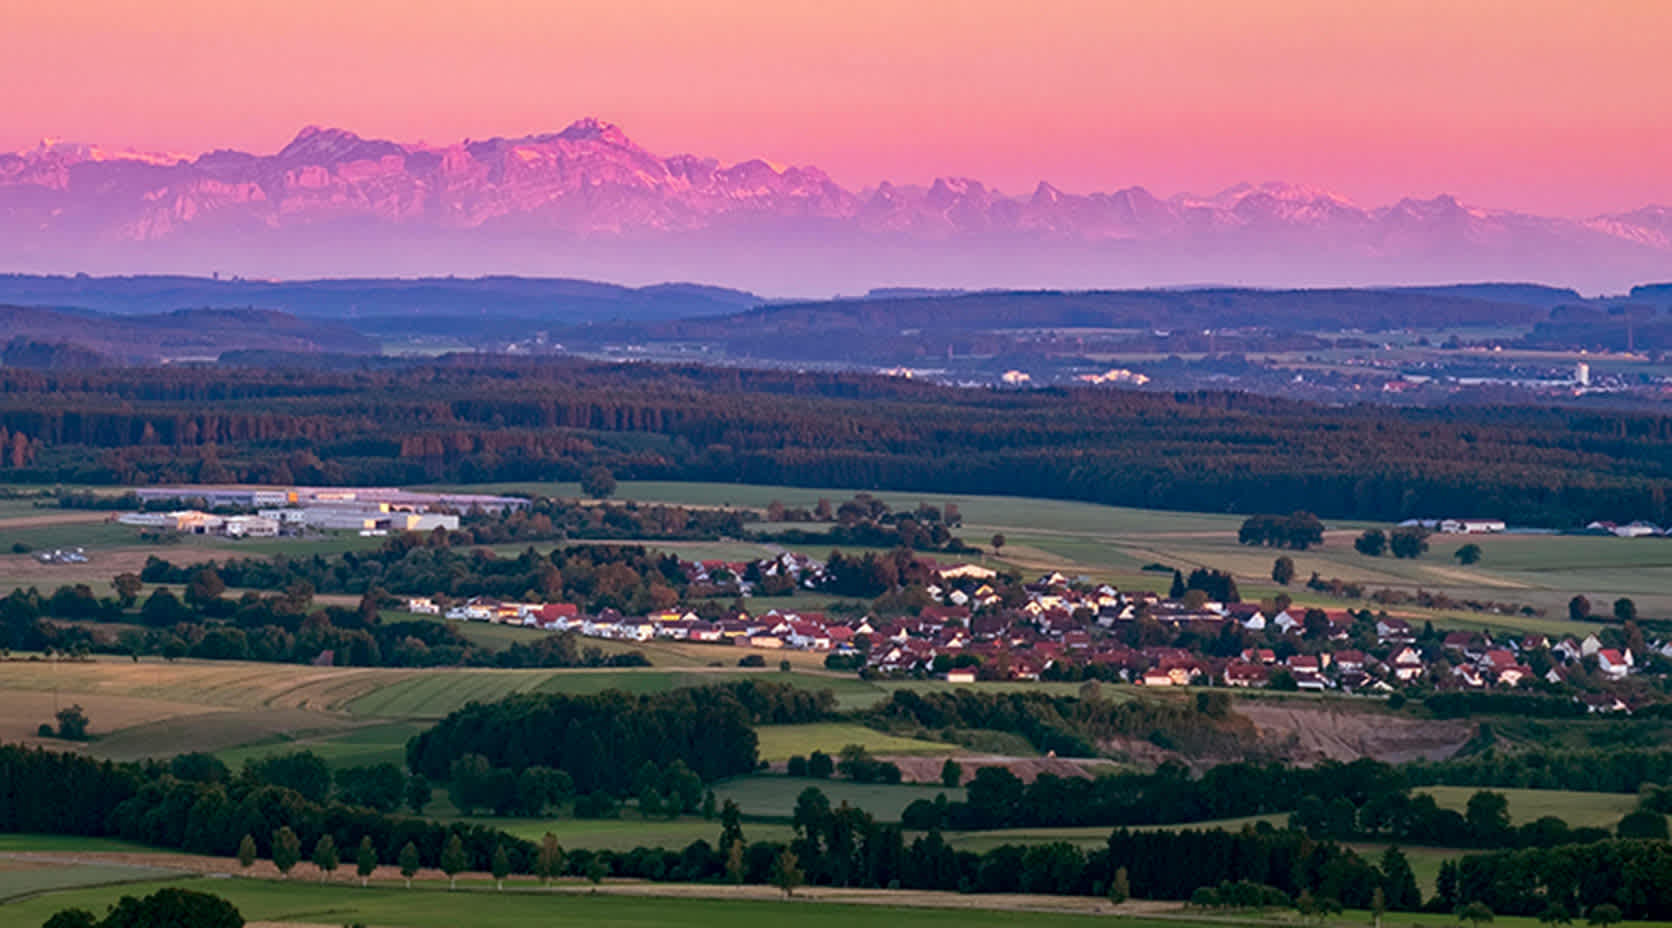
(525, 906)
(774, 797)
(435, 693)
(22, 877)
(1598, 810)
(357, 747)
(630, 831)
(781, 742)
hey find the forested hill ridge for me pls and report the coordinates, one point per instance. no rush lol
(548, 299)
(1211, 308)
(470, 419)
(52, 338)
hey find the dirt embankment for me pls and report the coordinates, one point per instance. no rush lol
(1312, 733)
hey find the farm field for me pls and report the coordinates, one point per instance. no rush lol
(773, 797)
(781, 742)
(1109, 543)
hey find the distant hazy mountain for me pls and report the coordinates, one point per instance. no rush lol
(35, 337)
(588, 201)
(359, 299)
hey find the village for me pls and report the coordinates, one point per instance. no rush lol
(1064, 629)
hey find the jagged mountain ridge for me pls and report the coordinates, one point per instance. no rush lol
(590, 183)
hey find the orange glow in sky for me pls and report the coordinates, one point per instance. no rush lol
(1558, 106)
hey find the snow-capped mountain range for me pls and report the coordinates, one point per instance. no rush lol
(588, 198)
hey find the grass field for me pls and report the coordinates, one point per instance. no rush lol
(781, 742)
(298, 903)
(356, 747)
(1089, 837)
(773, 797)
(630, 831)
(1599, 810)
(27, 877)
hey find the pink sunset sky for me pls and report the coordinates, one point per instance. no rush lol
(1556, 106)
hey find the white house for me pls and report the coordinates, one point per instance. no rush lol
(1615, 664)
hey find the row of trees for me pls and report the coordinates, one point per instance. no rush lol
(282, 627)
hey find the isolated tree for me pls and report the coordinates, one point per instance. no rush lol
(1408, 543)
(1476, 913)
(73, 723)
(1399, 882)
(72, 918)
(735, 868)
(1604, 915)
(709, 806)
(246, 852)
(1177, 589)
(205, 587)
(418, 793)
(1487, 813)
(1446, 883)
(325, 857)
(786, 873)
(1555, 914)
(820, 765)
(1468, 554)
(173, 908)
(1283, 570)
(1641, 823)
(501, 865)
(365, 860)
(1579, 609)
(598, 483)
(128, 587)
(998, 543)
(548, 863)
(409, 862)
(1625, 610)
(1120, 886)
(1373, 543)
(287, 850)
(952, 773)
(453, 860)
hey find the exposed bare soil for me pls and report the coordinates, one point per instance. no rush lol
(1312, 733)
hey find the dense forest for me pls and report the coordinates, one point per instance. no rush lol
(469, 420)
(598, 740)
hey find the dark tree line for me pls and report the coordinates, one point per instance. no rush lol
(597, 739)
(1617, 770)
(283, 628)
(67, 794)
(1634, 876)
(456, 420)
(601, 576)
